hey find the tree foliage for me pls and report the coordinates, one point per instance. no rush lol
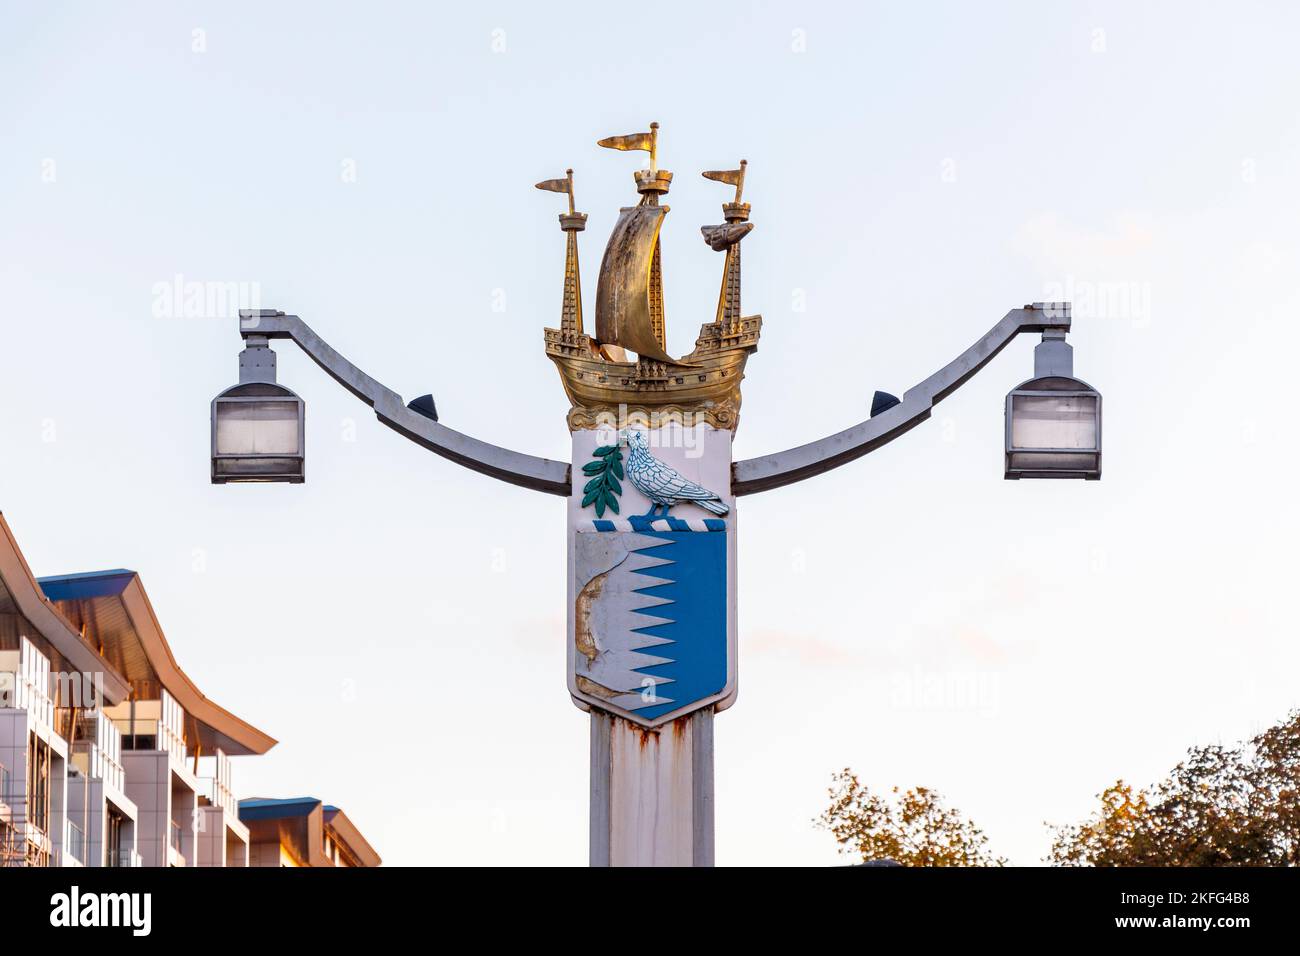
(913, 829)
(1222, 806)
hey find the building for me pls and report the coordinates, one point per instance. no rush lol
(109, 754)
(301, 831)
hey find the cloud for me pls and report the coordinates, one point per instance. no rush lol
(1055, 244)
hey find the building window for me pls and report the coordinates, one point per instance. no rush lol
(113, 839)
(38, 762)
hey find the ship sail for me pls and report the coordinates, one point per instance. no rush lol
(624, 294)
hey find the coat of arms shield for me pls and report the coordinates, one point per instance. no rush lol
(652, 578)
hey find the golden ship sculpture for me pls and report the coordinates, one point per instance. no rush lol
(599, 376)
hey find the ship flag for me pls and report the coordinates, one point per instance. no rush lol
(732, 177)
(645, 141)
(560, 186)
(648, 141)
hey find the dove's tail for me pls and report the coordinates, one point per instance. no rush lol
(712, 504)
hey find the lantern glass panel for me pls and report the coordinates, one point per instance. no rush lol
(257, 428)
(1054, 421)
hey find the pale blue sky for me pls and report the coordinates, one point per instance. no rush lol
(915, 169)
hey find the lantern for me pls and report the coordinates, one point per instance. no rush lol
(1053, 421)
(257, 425)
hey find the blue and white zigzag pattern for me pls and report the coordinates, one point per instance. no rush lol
(643, 523)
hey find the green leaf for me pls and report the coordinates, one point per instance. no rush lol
(606, 473)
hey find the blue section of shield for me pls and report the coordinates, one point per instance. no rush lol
(698, 590)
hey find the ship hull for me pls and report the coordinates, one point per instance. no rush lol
(707, 381)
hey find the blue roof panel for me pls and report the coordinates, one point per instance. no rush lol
(276, 809)
(89, 584)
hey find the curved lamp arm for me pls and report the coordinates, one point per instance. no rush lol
(748, 477)
(806, 461)
(527, 471)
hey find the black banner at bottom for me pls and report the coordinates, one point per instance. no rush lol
(191, 906)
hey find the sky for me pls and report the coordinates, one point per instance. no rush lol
(916, 170)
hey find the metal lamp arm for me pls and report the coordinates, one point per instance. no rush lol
(806, 461)
(527, 471)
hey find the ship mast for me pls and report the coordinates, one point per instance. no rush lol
(728, 236)
(572, 223)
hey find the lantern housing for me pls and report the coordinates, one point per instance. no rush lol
(258, 426)
(1053, 420)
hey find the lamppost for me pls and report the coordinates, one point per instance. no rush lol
(651, 606)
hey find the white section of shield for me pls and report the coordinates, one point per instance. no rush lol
(702, 454)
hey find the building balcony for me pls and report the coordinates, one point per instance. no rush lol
(97, 750)
(221, 838)
(25, 682)
(34, 757)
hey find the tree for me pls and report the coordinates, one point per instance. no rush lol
(916, 829)
(1222, 806)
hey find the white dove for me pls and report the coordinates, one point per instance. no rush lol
(663, 485)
